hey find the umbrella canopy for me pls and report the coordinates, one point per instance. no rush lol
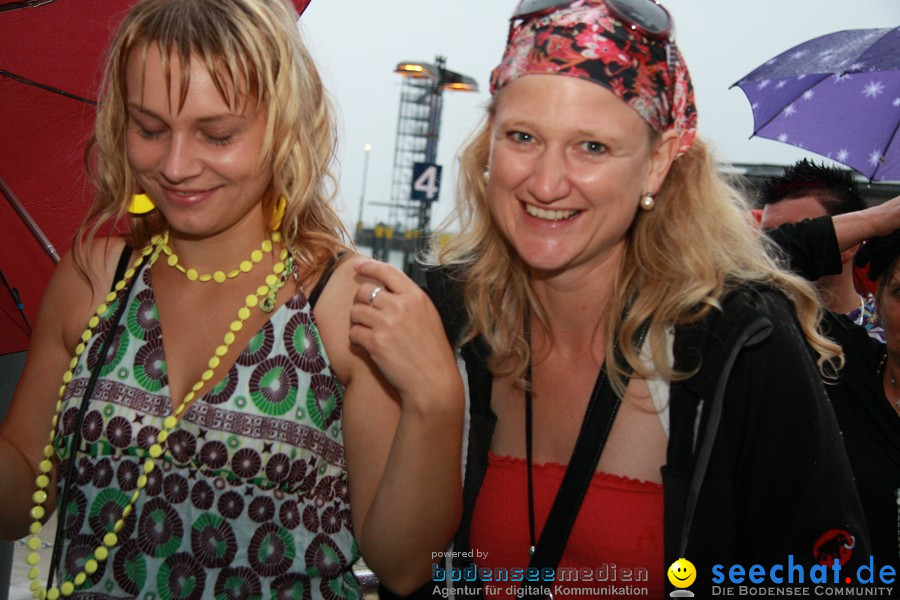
(837, 95)
(43, 135)
(50, 69)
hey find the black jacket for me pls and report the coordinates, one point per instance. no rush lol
(755, 470)
(871, 429)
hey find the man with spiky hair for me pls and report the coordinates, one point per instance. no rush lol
(805, 191)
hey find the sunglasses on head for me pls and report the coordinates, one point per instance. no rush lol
(645, 17)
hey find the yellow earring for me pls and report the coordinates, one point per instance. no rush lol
(278, 214)
(140, 204)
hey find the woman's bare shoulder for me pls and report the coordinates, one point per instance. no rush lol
(80, 283)
(332, 313)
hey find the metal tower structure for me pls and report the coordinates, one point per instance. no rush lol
(418, 126)
(410, 147)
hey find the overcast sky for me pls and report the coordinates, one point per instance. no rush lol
(358, 43)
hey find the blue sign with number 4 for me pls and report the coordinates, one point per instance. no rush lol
(426, 182)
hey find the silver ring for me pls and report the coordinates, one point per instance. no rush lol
(374, 293)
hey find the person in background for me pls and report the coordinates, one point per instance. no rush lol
(806, 191)
(605, 286)
(878, 474)
(864, 395)
(201, 399)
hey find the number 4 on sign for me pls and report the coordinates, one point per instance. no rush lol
(426, 182)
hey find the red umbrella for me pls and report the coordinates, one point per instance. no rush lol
(50, 61)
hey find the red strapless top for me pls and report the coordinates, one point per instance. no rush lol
(619, 528)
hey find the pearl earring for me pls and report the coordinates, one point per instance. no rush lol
(647, 202)
(486, 176)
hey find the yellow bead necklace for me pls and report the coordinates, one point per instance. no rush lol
(220, 276)
(264, 298)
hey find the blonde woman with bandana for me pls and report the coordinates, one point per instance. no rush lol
(596, 241)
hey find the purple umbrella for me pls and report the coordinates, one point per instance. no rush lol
(837, 95)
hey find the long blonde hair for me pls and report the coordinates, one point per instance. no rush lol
(251, 47)
(682, 259)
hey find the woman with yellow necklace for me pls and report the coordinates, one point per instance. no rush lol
(204, 434)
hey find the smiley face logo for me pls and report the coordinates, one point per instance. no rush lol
(682, 573)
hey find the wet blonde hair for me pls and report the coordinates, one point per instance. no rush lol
(682, 259)
(254, 53)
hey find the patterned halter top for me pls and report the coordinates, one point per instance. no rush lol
(251, 498)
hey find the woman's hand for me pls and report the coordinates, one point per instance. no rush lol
(402, 417)
(393, 319)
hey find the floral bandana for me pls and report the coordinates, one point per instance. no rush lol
(584, 40)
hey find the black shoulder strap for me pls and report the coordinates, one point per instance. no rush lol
(121, 267)
(445, 287)
(323, 280)
(68, 479)
(598, 420)
(753, 334)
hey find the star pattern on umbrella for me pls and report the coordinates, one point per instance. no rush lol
(875, 157)
(873, 89)
(835, 95)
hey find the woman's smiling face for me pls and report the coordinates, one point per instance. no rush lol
(569, 164)
(200, 160)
